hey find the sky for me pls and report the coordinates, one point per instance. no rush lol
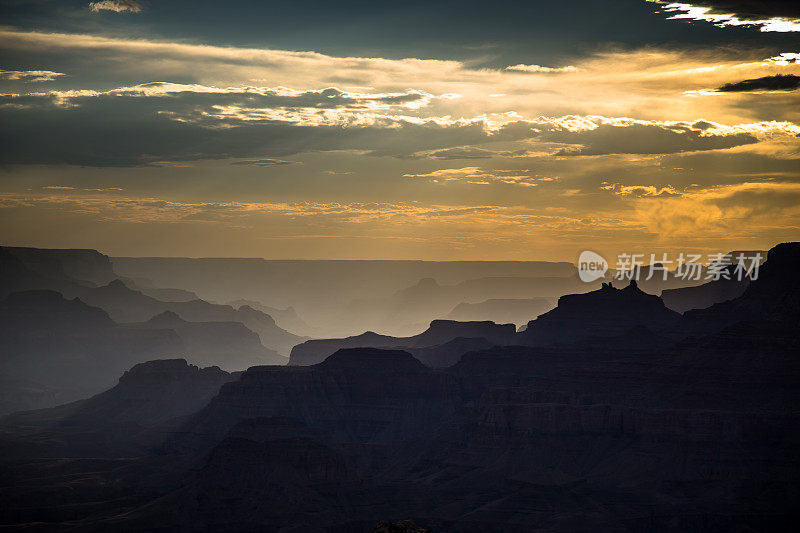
(422, 130)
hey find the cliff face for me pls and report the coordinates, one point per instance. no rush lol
(357, 395)
(439, 332)
(606, 312)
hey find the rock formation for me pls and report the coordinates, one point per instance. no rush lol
(439, 332)
(606, 312)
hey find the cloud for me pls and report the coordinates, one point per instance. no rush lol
(763, 15)
(602, 135)
(149, 209)
(720, 211)
(158, 122)
(779, 82)
(640, 191)
(752, 9)
(30, 75)
(785, 58)
(460, 152)
(106, 130)
(646, 83)
(116, 6)
(265, 162)
(398, 108)
(479, 176)
(541, 69)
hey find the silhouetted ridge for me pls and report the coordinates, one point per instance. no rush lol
(606, 312)
(119, 420)
(166, 319)
(56, 350)
(152, 392)
(231, 345)
(702, 296)
(66, 264)
(49, 309)
(127, 305)
(439, 332)
(444, 330)
(512, 310)
(449, 353)
(774, 295)
(372, 360)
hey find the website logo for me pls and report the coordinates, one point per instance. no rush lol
(591, 266)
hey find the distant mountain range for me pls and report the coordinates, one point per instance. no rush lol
(344, 297)
(511, 310)
(68, 332)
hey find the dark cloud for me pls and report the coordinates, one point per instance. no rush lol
(119, 130)
(486, 36)
(129, 128)
(632, 138)
(779, 82)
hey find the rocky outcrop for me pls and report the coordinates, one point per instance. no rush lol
(606, 312)
(439, 332)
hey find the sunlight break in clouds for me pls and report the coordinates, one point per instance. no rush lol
(541, 69)
(720, 211)
(30, 75)
(116, 6)
(478, 176)
(707, 14)
(785, 58)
